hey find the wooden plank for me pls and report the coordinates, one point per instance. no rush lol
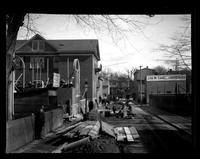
(69, 134)
(128, 134)
(77, 130)
(108, 129)
(75, 144)
(68, 128)
(80, 127)
(95, 130)
(129, 138)
(121, 137)
(86, 130)
(134, 132)
(59, 149)
(127, 131)
(120, 133)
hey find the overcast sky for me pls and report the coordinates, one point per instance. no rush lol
(136, 50)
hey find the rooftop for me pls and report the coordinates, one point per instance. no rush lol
(66, 46)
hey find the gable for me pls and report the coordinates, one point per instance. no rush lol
(35, 44)
(75, 46)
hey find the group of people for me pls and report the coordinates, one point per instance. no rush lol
(124, 111)
(104, 101)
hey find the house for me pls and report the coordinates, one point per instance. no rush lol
(140, 83)
(44, 57)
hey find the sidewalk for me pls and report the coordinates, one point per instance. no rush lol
(182, 122)
(45, 145)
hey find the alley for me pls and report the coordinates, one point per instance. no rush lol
(160, 133)
(157, 134)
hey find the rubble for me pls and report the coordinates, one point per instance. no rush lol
(87, 131)
(88, 128)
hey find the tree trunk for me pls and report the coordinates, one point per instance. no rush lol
(13, 22)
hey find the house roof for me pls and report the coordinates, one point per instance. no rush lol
(146, 68)
(67, 46)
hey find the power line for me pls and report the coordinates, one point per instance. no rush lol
(115, 64)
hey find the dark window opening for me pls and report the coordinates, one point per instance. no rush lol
(38, 45)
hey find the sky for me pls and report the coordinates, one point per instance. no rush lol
(138, 48)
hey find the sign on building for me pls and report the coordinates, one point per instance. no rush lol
(177, 77)
(56, 80)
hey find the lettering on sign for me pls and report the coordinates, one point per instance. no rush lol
(56, 80)
(177, 77)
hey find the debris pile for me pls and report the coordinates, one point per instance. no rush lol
(71, 118)
(120, 110)
(85, 132)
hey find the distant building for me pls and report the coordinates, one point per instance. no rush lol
(140, 83)
(114, 86)
(119, 86)
(165, 84)
(188, 78)
(44, 57)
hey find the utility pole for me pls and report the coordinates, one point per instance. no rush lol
(86, 90)
(140, 86)
(128, 79)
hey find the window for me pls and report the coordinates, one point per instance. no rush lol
(41, 45)
(38, 45)
(36, 62)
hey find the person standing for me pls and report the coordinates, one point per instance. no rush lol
(39, 122)
(67, 110)
(100, 100)
(114, 109)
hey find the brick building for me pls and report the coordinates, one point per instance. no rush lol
(44, 57)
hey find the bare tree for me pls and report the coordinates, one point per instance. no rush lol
(131, 72)
(13, 23)
(180, 49)
(160, 70)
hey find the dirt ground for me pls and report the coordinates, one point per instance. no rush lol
(103, 144)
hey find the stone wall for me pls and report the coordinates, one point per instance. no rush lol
(21, 131)
(53, 120)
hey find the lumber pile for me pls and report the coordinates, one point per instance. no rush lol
(88, 128)
(129, 134)
(83, 132)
